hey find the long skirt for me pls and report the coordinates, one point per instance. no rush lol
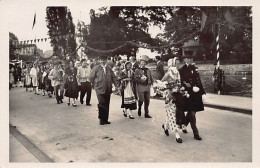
(170, 123)
(47, 84)
(34, 81)
(174, 112)
(128, 98)
(71, 89)
(28, 81)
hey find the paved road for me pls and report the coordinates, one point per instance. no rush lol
(69, 134)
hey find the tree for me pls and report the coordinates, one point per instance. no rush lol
(123, 24)
(232, 24)
(61, 30)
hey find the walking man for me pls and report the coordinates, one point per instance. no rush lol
(83, 80)
(102, 78)
(190, 80)
(56, 78)
(144, 80)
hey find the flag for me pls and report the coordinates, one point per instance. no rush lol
(203, 20)
(34, 20)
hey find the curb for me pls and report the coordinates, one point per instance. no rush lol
(32, 148)
(232, 109)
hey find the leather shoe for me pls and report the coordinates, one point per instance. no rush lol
(179, 140)
(88, 104)
(165, 130)
(131, 117)
(197, 137)
(81, 102)
(107, 122)
(101, 122)
(147, 116)
(184, 131)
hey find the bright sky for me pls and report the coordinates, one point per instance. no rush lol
(20, 22)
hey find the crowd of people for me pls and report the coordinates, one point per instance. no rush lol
(132, 80)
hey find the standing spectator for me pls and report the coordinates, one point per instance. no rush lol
(144, 80)
(55, 78)
(11, 76)
(83, 80)
(128, 96)
(15, 73)
(71, 84)
(217, 79)
(159, 72)
(102, 78)
(19, 75)
(193, 103)
(34, 75)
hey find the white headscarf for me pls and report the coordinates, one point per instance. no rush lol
(172, 65)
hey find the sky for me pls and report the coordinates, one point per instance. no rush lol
(20, 22)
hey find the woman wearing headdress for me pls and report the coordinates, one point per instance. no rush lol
(173, 100)
(127, 92)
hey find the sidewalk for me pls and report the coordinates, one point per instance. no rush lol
(227, 102)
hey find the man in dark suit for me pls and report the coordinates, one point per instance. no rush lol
(159, 72)
(193, 103)
(102, 78)
(144, 80)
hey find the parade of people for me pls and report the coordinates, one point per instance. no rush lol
(113, 88)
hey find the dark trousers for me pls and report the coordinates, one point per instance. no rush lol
(56, 91)
(191, 118)
(85, 87)
(103, 106)
(144, 97)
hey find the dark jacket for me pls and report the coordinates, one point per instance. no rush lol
(139, 73)
(102, 82)
(189, 74)
(159, 73)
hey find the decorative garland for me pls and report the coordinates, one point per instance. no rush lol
(25, 43)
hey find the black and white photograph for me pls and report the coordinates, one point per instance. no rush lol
(136, 84)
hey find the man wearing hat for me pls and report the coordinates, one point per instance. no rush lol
(143, 79)
(190, 80)
(102, 77)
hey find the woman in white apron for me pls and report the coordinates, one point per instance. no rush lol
(128, 97)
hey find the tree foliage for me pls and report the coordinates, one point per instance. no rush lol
(233, 24)
(59, 22)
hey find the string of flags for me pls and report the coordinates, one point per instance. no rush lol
(58, 37)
